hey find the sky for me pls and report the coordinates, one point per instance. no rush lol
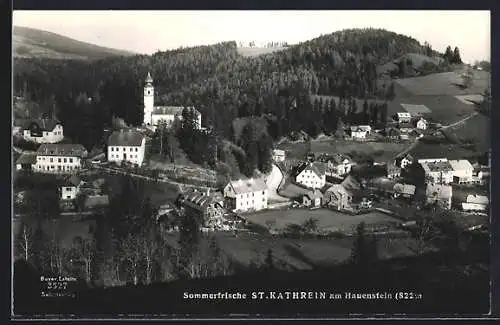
(150, 31)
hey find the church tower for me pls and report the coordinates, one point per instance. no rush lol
(149, 99)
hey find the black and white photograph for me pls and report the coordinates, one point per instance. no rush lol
(214, 164)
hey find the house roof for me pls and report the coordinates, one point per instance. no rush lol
(442, 191)
(43, 124)
(461, 165)
(336, 188)
(478, 199)
(361, 128)
(438, 166)
(27, 158)
(198, 201)
(316, 167)
(315, 195)
(475, 206)
(128, 138)
(171, 110)
(393, 168)
(422, 120)
(248, 185)
(278, 152)
(351, 184)
(61, 149)
(336, 158)
(404, 189)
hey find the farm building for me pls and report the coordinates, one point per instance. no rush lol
(70, 187)
(246, 195)
(26, 161)
(312, 175)
(393, 171)
(478, 199)
(278, 155)
(422, 124)
(439, 172)
(462, 171)
(336, 164)
(431, 160)
(480, 174)
(341, 195)
(404, 190)
(470, 207)
(392, 133)
(405, 128)
(360, 131)
(404, 117)
(41, 130)
(404, 161)
(313, 199)
(201, 205)
(439, 194)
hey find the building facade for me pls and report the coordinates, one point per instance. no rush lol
(59, 158)
(439, 194)
(70, 187)
(312, 175)
(422, 124)
(462, 171)
(279, 155)
(246, 195)
(439, 172)
(127, 145)
(43, 131)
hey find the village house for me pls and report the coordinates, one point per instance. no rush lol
(59, 158)
(431, 160)
(336, 164)
(127, 145)
(312, 199)
(154, 115)
(341, 195)
(405, 128)
(26, 161)
(439, 172)
(393, 171)
(360, 131)
(201, 205)
(312, 175)
(480, 174)
(404, 117)
(278, 155)
(404, 190)
(439, 194)
(476, 203)
(246, 195)
(70, 187)
(421, 124)
(404, 161)
(462, 171)
(392, 133)
(41, 130)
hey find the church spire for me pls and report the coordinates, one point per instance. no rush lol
(149, 79)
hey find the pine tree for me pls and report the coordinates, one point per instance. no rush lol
(456, 59)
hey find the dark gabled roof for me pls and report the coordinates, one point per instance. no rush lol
(43, 124)
(336, 158)
(198, 201)
(27, 158)
(316, 167)
(59, 149)
(407, 189)
(393, 168)
(128, 138)
(351, 184)
(314, 195)
(72, 180)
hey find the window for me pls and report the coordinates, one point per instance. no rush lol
(70, 160)
(263, 199)
(51, 160)
(112, 149)
(58, 159)
(136, 149)
(58, 167)
(263, 192)
(65, 160)
(131, 149)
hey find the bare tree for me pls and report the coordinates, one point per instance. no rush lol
(150, 245)
(25, 241)
(131, 248)
(84, 250)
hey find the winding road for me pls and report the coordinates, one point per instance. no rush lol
(273, 181)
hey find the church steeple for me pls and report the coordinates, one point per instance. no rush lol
(149, 79)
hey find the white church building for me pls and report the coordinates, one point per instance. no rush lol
(153, 115)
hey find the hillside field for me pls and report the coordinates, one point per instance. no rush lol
(256, 51)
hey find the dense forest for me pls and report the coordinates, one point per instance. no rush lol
(223, 85)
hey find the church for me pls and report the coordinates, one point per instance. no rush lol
(153, 115)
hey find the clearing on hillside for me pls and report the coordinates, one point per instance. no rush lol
(416, 109)
(446, 83)
(256, 51)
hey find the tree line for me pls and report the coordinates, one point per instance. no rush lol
(215, 79)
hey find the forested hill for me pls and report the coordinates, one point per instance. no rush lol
(31, 42)
(222, 83)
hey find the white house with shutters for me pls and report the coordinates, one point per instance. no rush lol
(70, 187)
(246, 195)
(422, 124)
(127, 145)
(312, 175)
